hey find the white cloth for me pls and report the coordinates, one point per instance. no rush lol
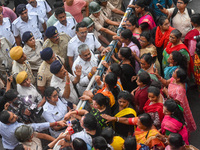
(53, 113)
(69, 29)
(19, 26)
(41, 9)
(6, 31)
(59, 84)
(26, 91)
(74, 43)
(86, 68)
(8, 132)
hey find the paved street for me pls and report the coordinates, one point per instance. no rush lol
(193, 95)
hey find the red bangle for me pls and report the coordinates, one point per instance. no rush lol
(67, 83)
(56, 123)
(77, 112)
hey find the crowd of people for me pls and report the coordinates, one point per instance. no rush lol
(49, 57)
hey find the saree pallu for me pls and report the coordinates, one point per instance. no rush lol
(197, 68)
(174, 126)
(168, 71)
(149, 20)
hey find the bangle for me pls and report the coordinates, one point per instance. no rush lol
(56, 123)
(90, 74)
(117, 61)
(67, 83)
(76, 112)
(117, 119)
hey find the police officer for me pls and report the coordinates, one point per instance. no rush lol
(100, 19)
(57, 42)
(91, 29)
(32, 50)
(63, 81)
(41, 8)
(20, 63)
(5, 29)
(26, 22)
(65, 24)
(44, 74)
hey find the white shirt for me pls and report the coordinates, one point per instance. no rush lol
(69, 29)
(6, 31)
(74, 43)
(26, 91)
(59, 84)
(41, 10)
(86, 68)
(19, 26)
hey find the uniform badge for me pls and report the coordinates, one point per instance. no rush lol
(40, 78)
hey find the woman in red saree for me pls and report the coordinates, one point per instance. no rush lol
(175, 44)
(173, 121)
(154, 107)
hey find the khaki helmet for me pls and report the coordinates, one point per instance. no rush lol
(88, 21)
(94, 7)
(23, 133)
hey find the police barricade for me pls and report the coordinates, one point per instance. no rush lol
(101, 68)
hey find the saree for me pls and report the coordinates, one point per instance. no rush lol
(152, 109)
(162, 39)
(174, 126)
(178, 92)
(168, 71)
(183, 49)
(152, 76)
(149, 20)
(197, 68)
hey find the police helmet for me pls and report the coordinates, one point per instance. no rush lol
(23, 133)
(88, 21)
(94, 7)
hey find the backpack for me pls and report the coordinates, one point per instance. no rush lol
(176, 10)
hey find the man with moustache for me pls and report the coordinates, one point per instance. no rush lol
(89, 63)
(58, 42)
(65, 24)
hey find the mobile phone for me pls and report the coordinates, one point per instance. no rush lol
(160, 6)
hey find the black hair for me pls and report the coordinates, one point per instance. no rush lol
(108, 134)
(182, 75)
(79, 144)
(59, 11)
(4, 117)
(126, 96)
(19, 147)
(127, 34)
(90, 121)
(111, 81)
(58, 4)
(177, 33)
(173, 107)
(176, 140)
(145, 78)
(157, 84)
(195, 18)
(100, 143)
(133, 20)
(101, 100)
(148, 58)
(154, 90)
(130, 143)
(116, 69)
(127, 54)
(144, 26)
(185, 1)
(180, 59)
(81, 25)
(142, 4)
(161, 20)
(1, 3)
(10, 95)
(146, 120)
(48, 92)
(147, 35)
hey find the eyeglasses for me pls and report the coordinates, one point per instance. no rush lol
(55, 36)
(127, 25)
(82, 33)
(142, 41)
(180, 3)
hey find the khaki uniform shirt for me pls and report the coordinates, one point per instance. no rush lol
(35, 144)
(107, 11)
(17, 67)
(5, 53)
(60, 48)
(98, 22)
(33, 56)
(44, 74)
